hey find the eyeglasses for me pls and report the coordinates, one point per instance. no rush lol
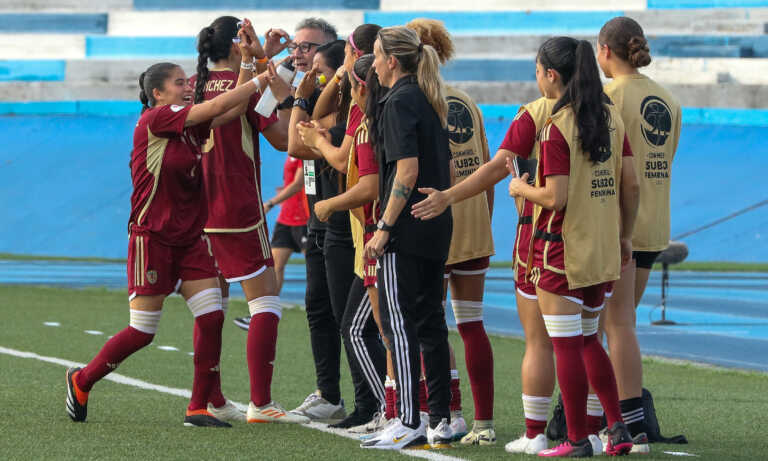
(304, 47)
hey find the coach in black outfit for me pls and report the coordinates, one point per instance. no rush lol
(411, 143)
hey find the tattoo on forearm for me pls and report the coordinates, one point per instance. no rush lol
(401, 190)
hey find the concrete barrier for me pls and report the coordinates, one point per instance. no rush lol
(49, 70)
(255, 4)
(53, 23)
(42, 46)
(515, 5)
(65, 5)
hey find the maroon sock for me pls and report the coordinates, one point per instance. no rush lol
(479, 358)
(594, 424)
(215, 397)
(261, 346)
(423, 395)
(117, 349)
(207, 354)
(573, 383)
(390, 397)
(534, 427)
(455, 395)
(601, 377)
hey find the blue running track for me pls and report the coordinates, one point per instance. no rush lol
(722, 318)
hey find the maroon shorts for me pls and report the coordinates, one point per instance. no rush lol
(158, 269)
(592, 298)
(523, 285)
(242, 256)
(470, 267)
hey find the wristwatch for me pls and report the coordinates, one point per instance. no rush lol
(381, 225)
(301, 103)
(286, 104)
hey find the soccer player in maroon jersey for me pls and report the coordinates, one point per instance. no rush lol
(167, 250)
(236, 224)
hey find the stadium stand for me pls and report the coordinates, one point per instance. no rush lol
(80, 76)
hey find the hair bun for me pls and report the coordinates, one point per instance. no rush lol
(638, 52)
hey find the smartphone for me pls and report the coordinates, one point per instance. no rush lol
(523, 166)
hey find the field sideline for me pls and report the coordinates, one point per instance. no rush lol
(718, 410)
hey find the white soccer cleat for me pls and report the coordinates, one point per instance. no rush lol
(441, 436)
(316, 408)
(397, 436)
(480, 437)
(459, 427)
(374, 425)
(227, 412)
(528, 446)
(640, 444)
(597, 445)
(273, 413)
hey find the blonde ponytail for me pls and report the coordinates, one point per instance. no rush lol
(430, 82)
(422, 60)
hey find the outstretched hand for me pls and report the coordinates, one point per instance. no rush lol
(249, 42)
(432, 206)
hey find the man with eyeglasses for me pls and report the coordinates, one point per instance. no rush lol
(310, 34)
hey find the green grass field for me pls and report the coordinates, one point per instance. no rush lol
(721, 412)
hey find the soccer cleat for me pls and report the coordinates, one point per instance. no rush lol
(316, 408)
(273, 413)
(376, 426)
(480, 437)
(441, 436)
(77, 400)
(640, 444)
(568, 449)
(398, 436)
(458, 426)
(528, 446)
(201, 418)
(355, 419)
(243, 322)
(597, 445)
(227, 412)
(619, 440)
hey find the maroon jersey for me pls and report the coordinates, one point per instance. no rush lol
(293, 210)
(365, 159)
(231, 165)
(168, 200)
(354, 119)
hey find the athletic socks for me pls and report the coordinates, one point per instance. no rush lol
(479, 359)
(117, 349)
(390, 394)
(455, 404)
(215, 397)
(633, 414)
(568, 343)
(207, 346)
(601, 377)
(594, 414)
(536, 410)
(261, 346)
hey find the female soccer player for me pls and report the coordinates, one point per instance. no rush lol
(236, 224)
(652, 119)
(471, 248)
(412, 146)
(358, 328)
(585, 205)
(167, 250)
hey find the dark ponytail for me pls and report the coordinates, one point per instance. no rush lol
(153, 78)
(361, 69)
(213, 44)
(626, 39)
(575, 61)
(364, 36)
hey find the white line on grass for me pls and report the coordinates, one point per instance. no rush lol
(122, 379)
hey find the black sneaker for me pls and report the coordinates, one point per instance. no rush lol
(568, 449)
(201, 418)
(557, 429)
(75, 410)
(243, 322)
(619, 440)
(356, 418)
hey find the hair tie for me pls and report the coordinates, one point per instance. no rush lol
(359, 80)
(357, 50)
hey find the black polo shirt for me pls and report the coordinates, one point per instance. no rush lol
(409, 127)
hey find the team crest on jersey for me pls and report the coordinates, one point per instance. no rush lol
(152, 276)
(176, 108)
(461, 128)
(656, 120)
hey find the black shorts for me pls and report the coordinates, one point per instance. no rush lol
(645, 259)
(293, 237)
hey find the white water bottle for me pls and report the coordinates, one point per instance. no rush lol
(267, 102)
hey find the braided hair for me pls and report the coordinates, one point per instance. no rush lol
(213, 43)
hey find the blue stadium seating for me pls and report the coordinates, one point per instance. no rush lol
(53, 23)
(255, 4)
(48, 70)
(110, 46)
(680, 4)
